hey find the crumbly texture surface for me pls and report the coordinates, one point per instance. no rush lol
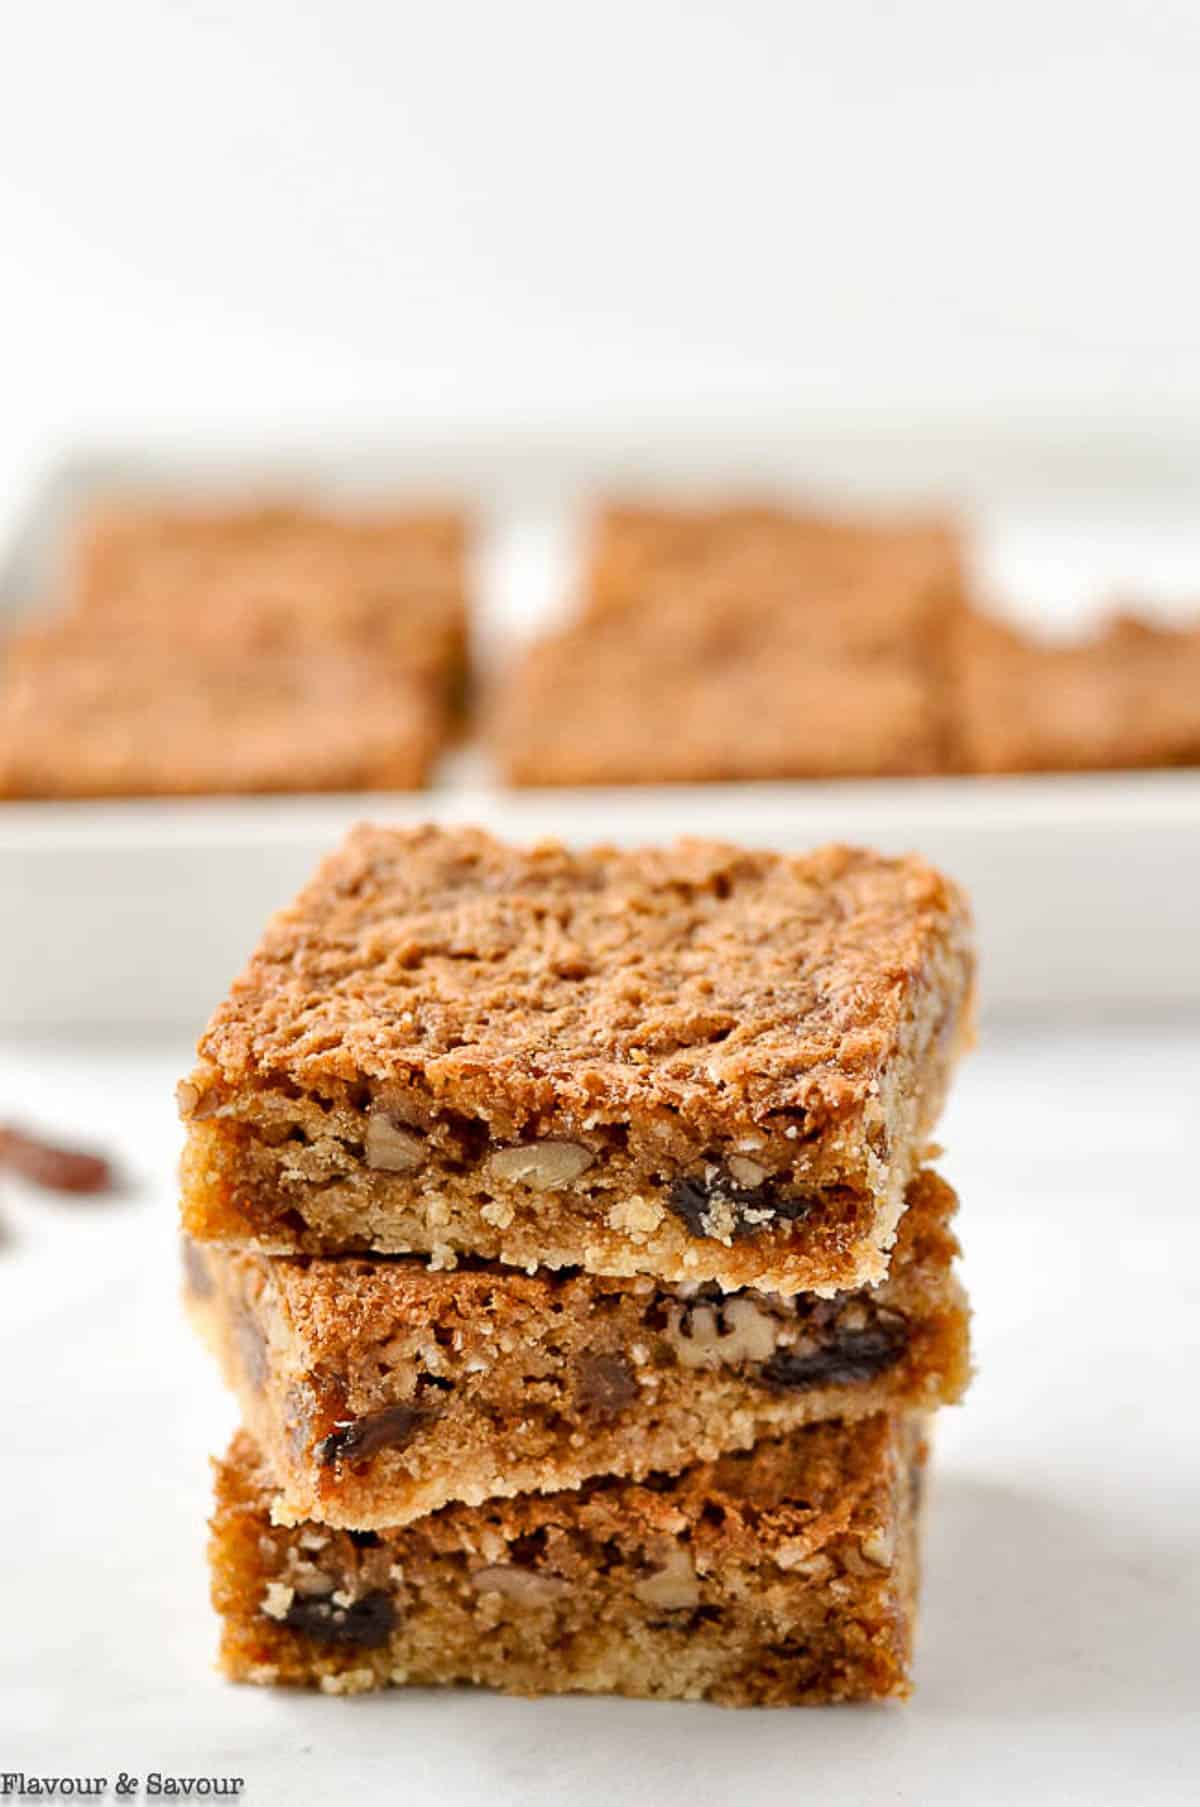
(1125, 697)
(695, 1062)
(379, 1391)
(741, 643)
(784, 1576)
(89, 712)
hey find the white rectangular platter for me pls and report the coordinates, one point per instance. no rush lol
(1086, 888)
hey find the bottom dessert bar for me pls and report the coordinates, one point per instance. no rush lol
(783, 1576)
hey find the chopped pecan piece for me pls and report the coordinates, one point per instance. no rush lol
(52, 1166)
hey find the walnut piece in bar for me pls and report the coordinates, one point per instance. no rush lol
(782, 1576)
(697, 1062)
(379, 1391)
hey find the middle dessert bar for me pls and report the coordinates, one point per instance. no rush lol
(379, 1390)
(698, 1063)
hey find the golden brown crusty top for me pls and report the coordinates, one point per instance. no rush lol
(700, 979)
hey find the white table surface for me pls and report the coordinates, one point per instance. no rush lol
(1058, 1647)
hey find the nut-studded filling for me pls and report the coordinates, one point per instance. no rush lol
(393, 1171)
(784, 1344)
(724, 1201)
(402, 1133)
(793, 1343)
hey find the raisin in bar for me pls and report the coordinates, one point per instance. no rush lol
(784, 1576)
(698, 1062)
(380, 1391)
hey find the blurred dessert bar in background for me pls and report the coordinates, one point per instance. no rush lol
(251, 649)
(743, 643)
(91, 711)
(868, 582)
(123, 548)
(697, 691)
(267, 647)
(392, 582)
(747, 642)
(1126, 695)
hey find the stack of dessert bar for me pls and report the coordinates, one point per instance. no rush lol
(561, 1223)
(256, 648)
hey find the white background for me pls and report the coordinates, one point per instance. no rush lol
(263, 211)
(248, 217)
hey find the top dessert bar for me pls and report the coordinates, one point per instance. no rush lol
(1126, 696)
(696, 1062)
